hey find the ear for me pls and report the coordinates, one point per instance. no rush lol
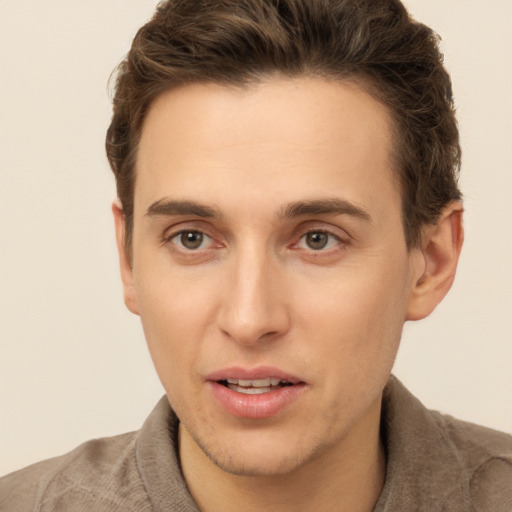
(435, 262)
(130, 295)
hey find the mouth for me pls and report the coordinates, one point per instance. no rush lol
(255, 386)
(256, 393)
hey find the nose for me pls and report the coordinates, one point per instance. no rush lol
(253, 309)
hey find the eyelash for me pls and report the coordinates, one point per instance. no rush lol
(331, 236)
(168, 239)
(339, 242)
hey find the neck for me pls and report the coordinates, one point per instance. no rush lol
(347, 477)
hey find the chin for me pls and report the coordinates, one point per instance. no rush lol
(258, 457)
(255, 465)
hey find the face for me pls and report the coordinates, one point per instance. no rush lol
(270, 268)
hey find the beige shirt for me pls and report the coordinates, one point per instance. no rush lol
(434, 463)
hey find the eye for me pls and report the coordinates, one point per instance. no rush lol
(191, 240)
(318, 240)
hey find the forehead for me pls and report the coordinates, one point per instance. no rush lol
(278, 137)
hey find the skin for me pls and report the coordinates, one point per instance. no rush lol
(260, 289)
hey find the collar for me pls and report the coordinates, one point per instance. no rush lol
(158, 461)
(424, 469)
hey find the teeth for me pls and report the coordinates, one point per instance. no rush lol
(249, 390)
(257, 383)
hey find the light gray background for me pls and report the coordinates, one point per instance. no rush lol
(73, 361)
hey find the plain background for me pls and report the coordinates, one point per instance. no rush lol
(73, 361)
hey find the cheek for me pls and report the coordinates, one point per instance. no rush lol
(352, 339)
(357, 315)
(176, 314)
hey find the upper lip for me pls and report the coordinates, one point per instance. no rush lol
(260, 372)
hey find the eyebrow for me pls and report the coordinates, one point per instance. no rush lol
(174, 207)
(296, 209)
(324, 207)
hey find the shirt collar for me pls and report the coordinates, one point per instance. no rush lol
(423, 466)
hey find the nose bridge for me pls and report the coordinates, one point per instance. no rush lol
(252, 308)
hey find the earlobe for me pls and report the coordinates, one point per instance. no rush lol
(440, 251)
(130, 295)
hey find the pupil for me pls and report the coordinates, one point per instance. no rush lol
(317, 241)
(191, 239)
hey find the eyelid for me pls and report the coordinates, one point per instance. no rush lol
(342, 237)
(328, 233)
(186, 249)
(188, 256)
(322, 227)
(184, 226)
(300, 231)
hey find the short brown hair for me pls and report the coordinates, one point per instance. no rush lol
(236, 42)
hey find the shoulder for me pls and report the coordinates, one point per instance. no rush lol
(97, 475)
(486, 455)
(440, 463)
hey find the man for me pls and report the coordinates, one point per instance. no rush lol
(286, 174)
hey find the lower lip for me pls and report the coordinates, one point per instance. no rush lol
(255, 406)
